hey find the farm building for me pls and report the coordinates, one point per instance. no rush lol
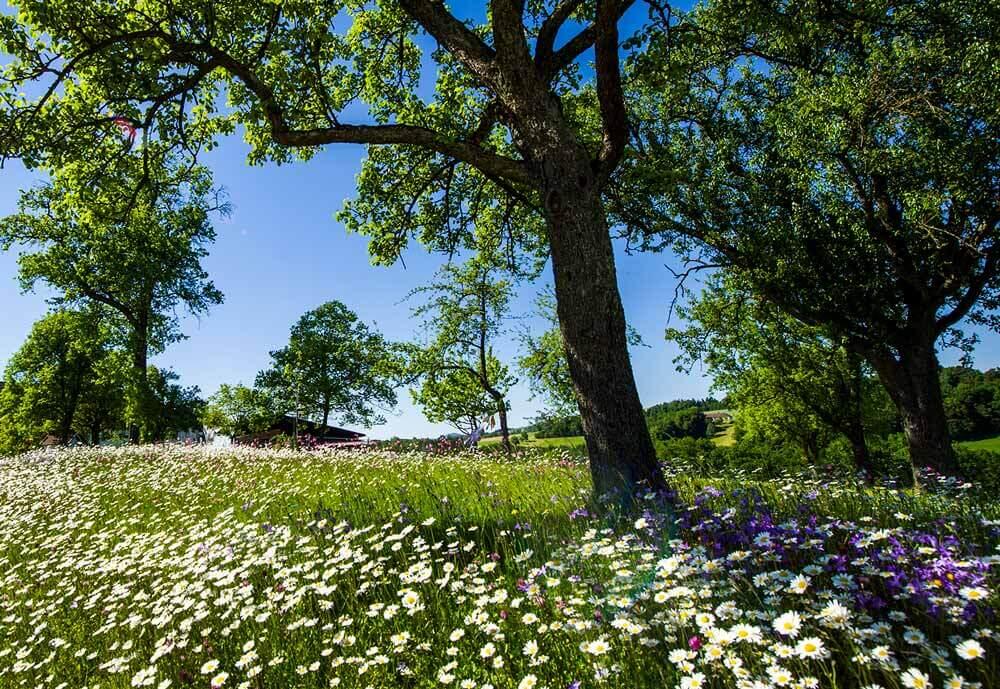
(719, 416)
(286, 426)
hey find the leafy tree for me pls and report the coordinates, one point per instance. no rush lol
(789, 380)
(464, 314)
(176, 408)
(455, 397)
(517, 140)
(51, 375)
(93, 237)
(971, 401)
(680, 423)
(236, 410)
(103, 408)
(334, 363)
(843, 159)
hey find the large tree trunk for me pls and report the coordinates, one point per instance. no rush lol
(913, 384)
(592, 322)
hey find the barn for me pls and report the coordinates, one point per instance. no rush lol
(286, 426)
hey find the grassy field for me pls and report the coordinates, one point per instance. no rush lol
(570, 442)
(725, 436)
(992, 444)
(187, 567)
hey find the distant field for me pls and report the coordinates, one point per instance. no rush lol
(570, 442)
(724, 437)
(992, 444)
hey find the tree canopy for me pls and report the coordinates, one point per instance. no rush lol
(94, 237)
(334, 364)
(515, 142)
(48, 379)
(841, 157)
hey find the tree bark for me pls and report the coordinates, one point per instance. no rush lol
(592, 323)
(912, 382)
(504, 430)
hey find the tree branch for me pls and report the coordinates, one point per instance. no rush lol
(610, 94)
(456, 37)
(489, 163)
(545, 41)
(577, 45)
(975, 289)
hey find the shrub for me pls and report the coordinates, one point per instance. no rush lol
(981, 466)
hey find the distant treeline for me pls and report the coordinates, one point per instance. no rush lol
(675, 419)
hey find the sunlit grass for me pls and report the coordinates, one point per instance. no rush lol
(171, 566)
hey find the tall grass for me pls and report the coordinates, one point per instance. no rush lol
(172, 566)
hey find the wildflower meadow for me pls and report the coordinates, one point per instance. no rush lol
(172, 566)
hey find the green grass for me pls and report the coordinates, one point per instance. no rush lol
(355, 570)
(991, 444)
(569, 442)
(725, 435)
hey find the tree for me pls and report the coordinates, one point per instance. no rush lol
(104, 406)
(175, 407)
(137, 252)
(464, 314)
(971, 401)
(236, 410)
(453, 396)
(52, 375)
(843, 159)
(334, 363)
(789, 380)
(681, 423)
(517, 140)
(544, 362)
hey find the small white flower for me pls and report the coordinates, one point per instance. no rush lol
(788, 624)
(915, 679)
(970, 649)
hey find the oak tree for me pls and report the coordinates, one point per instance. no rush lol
(844, 159)
(334, 363)
(92, 236)
(517, 138)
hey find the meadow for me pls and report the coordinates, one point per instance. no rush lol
(178, 566)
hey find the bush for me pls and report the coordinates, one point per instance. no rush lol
(757, 459)
(558, 427)
(982, 467)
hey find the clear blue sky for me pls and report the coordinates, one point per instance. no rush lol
(281, 253)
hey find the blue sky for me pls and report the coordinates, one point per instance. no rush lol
(282, 253)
